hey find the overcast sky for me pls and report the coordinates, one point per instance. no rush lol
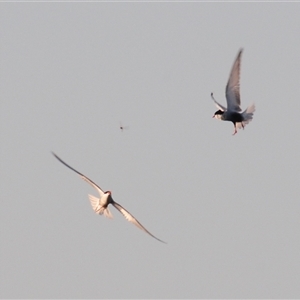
(227, 206)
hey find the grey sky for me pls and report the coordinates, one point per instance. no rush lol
(227, 206)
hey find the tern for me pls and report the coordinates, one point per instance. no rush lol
(233, 111)
(100, 205)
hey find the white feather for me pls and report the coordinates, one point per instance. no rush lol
(98, 208)
(95, 202)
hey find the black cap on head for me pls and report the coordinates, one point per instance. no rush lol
(219, 112)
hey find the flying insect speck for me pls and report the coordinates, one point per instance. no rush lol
(100, 205)
(233, 111)
(122, 127)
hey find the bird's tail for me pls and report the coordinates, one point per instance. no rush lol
(247, 116)
(107, 213)
(98, 208)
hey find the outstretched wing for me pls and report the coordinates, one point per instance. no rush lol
(92, 183)
(233, 86)
(218, 105)
(128, 216)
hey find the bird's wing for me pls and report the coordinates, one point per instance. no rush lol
(128, 216)
(218, 105)
(92, 183)
(233, 86)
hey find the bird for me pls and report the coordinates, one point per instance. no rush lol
(233, 111)
(100, 205)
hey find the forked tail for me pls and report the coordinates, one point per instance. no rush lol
(98, 208)
(247, 116)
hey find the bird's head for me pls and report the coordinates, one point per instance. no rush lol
(218, 114)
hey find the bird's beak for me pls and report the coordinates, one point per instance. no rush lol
(213, 116)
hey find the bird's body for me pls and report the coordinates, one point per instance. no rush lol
(100, 205)
(233, 111)
(232, 116)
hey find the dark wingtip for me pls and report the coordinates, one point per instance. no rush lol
(160, 240)
(212, 96)
(54, 154)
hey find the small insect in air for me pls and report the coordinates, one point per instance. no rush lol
(123, 127)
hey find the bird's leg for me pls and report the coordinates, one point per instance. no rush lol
(235, 131)
(243, 126)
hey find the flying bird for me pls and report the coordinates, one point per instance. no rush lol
(100, 205)
(233, 111)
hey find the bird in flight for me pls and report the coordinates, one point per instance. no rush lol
(233, 111)
(100, 205)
